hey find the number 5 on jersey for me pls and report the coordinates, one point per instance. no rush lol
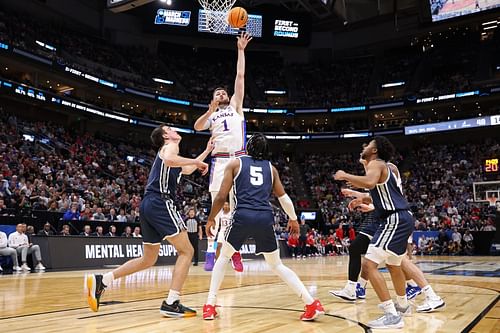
(256, 177)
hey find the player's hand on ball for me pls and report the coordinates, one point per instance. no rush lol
(203, 167)
(243, 40)
(340, 175)
(293, 227)
(209, 227)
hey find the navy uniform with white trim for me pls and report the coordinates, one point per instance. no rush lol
(253, 216)
(158, 212)
(392, 210)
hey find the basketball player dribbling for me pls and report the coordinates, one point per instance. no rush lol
(160, 220)
(254, 179)
(226, 122)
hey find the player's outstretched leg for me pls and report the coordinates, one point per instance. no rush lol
(209, 312)
(97, 283)
(391, 317)
(313, 308)
(432, 301)
(171, 306)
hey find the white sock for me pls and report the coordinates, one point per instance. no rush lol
(173, 295)
(362, 282)
(411, 283)
(388, 307)
(108, 278)
(217, 277)
(429, 292)
(351, 287)
(402, 301)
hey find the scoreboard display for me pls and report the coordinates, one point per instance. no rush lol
(490, 168)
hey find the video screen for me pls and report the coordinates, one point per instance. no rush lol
(447, 9)
(308, 216)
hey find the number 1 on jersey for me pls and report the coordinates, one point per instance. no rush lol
(225, 125)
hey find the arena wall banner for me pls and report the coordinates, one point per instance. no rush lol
(82, 252)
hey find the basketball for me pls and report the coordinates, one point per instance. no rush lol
(237, 17)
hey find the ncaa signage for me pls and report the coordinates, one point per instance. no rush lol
(173, 17)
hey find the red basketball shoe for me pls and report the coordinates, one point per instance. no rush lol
(209, 312)
(236, 262)
(312, 311)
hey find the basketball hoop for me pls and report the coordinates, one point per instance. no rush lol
(215, 18)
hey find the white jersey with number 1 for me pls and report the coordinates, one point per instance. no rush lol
(228, 130)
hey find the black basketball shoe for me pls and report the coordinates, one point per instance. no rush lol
(176, 310)
(95, 289)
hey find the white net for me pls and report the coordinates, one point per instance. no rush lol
(215, 15)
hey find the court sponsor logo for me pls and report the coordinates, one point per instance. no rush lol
(104, 251)
(247, 249)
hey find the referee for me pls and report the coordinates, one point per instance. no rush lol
(195, 232)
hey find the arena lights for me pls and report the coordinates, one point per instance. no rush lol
(393, 84)
(45, 45)
(4, 46)
(275, 92)
(349, 109)
(156, 79)
(173, 100)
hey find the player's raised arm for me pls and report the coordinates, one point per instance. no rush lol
(203, 122)
(225, 187)
(285, 203)
(189, 169)
(239, 83)
(374, 171)
(169, 156)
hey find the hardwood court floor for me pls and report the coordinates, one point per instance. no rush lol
(253, 301)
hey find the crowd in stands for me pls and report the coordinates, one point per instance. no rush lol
(448, 66)
(87, 178)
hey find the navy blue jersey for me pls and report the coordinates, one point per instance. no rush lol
(163, 179)
(387, 196)
(253, 184)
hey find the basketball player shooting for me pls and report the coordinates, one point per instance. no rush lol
(254, 180)
(226, 123)
(160, 221)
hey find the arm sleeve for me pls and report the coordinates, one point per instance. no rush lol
(287, 205)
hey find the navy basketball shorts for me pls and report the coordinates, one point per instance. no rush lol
(257, 224)
(390, 241)
(159, 219)
(370, 229)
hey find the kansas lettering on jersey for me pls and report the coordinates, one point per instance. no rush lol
(229, 129)
(387, 196)
(253, 184)
(163, 179)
